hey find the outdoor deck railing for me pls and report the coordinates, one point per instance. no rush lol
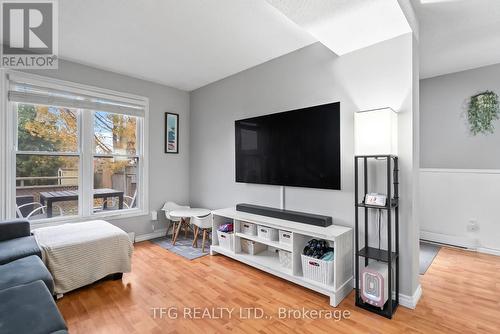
(21, 181)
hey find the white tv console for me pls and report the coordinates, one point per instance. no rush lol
(339, 237)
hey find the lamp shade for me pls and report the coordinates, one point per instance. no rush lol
(376, 132)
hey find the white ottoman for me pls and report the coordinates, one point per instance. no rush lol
(78, 254)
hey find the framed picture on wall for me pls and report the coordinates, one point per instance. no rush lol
(171, 132)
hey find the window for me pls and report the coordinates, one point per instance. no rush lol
(77, 151)
(115, 159)
(47, 160)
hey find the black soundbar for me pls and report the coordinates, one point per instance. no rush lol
(300, 217)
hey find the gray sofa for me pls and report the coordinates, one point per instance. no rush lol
(26, 286)
(16, 241)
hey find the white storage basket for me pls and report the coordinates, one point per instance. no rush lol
(226, 240)
(285, 259)
(252, 247)
(267, 233)
(317, 270)
(285, 237)
(248, 228)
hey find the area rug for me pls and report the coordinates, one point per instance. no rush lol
(427, 254)
(183, 246)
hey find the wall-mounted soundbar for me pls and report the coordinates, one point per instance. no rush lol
(300, 217)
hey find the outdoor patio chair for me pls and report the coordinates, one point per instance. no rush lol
(28, 208)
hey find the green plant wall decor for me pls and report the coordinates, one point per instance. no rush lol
(483, 109)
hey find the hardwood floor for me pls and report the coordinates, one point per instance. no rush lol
(461, 294)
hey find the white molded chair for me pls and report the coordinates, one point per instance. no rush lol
(205, 224)
(171, 206)
(132, 200)
(112, 203)
(38, 210)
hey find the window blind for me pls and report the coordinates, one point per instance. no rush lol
(28, 93)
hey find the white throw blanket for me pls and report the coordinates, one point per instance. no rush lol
(78, 254)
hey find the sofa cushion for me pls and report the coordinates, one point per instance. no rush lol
(18, 248)
(23, 271)
(11, 229)
(30, 309)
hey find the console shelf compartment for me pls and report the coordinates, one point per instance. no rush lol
(265, 259)
(275, 244)
(339, 237)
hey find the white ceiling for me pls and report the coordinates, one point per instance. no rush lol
(457, 35)
(189, 43)
(180, 43)
(346, 25)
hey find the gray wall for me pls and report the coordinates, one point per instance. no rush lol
(450, 199)
(445, 139)
(377, 76)
(168, 173)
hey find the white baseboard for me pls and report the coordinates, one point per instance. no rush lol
(411, 301)
(152, 235)
(449, 239)
(452, 240)
(490, 251)
(460, 171)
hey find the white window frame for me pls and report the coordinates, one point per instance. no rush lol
(3, 94)
(85, 150)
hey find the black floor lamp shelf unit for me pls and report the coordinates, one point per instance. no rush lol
(388, 256)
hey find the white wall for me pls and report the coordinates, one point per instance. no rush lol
(450, 198)
(377, 76)
(168, 173)
(460, 172)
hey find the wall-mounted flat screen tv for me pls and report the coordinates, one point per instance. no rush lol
(298, 148)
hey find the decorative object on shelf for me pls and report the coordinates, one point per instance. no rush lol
(171, 133)
(252, 247)
(482, 110)
(228, 227)
(317, 270)
(248, 228)
(267, 233)
(374, 284)
(318, 249)
(375, 199)
(372, 297)
(285, 237)
(376, 132)
(226, 240)
(285, 259)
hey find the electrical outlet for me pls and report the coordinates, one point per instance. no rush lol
(472, 225)
(154, 215)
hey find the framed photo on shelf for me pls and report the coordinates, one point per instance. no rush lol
(171, 132)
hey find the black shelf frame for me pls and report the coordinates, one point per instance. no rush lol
(392, 207)
(387, 311)
(377, 254)
(393, 203)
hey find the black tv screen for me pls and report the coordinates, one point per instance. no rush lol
(299, 148)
